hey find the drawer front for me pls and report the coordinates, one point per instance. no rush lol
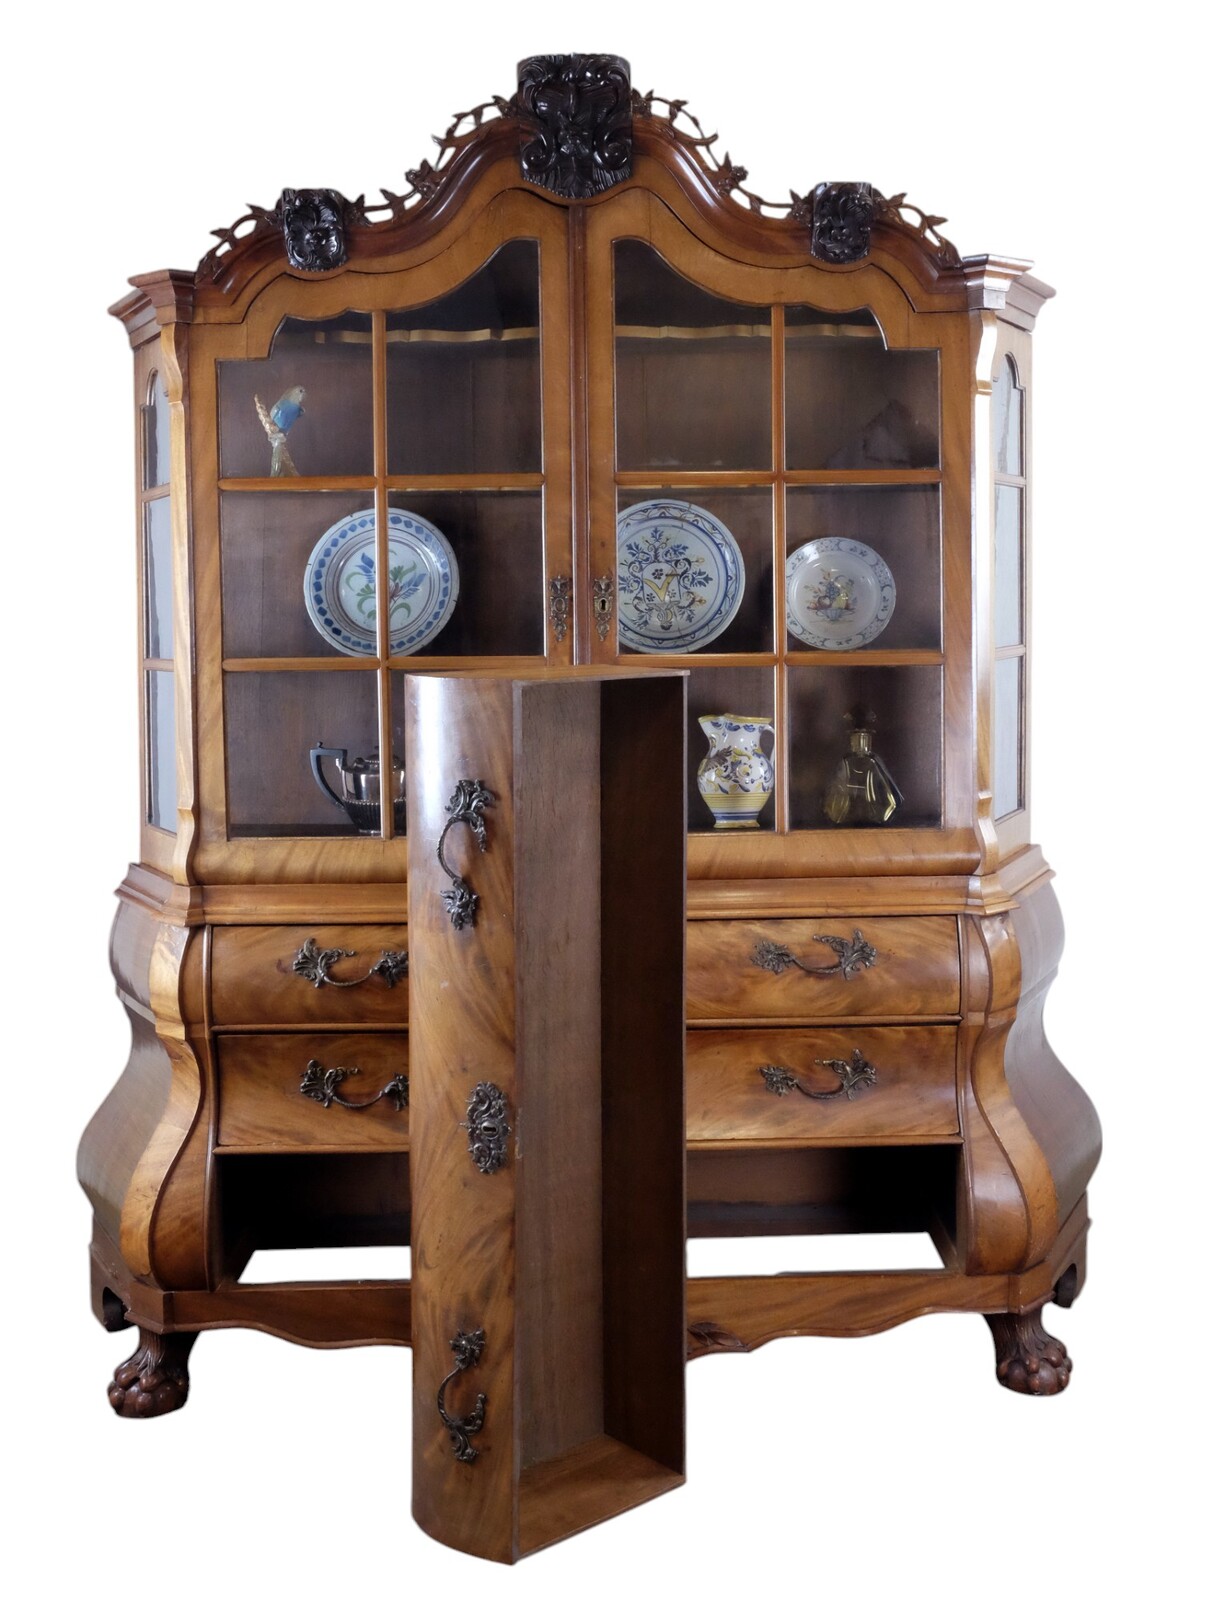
(309, 974)
(308, 1091)
(803, 968)
(801, 1084)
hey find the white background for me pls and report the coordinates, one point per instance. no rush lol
(863, 1467)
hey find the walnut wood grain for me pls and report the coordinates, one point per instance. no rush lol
(260, 1103)
(569, 1256)
(915, 1091)
(253, 980)
(915, 972)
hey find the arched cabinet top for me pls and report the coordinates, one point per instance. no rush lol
(573, 135)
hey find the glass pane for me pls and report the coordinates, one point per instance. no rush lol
(1009, 545)
(901, 710)
(1007, 743)
(730, 767)
(863, 539)
(693, 372)
(305, 410)
(852, 403)
(294, 570)
(273, 721)
(496, 543)
(158, 578)
(156, 434)
(162, 750)
(675, 571)
(1008, 399)
(464, 373)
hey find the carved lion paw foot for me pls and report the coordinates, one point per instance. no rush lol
(1027, 1358)
(155, 1380)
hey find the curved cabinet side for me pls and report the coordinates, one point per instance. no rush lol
(130, 1161)
(1054, 1107)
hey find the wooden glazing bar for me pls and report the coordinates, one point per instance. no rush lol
(300, 664)
(1009, 652)
(865, 658)
(159, 492)
(660, 478)
(842, 477)
(778, 557)
(467, 482)
(158, 664)
(295, 485)
(758, 658)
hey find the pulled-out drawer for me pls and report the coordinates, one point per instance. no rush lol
(808, 968)
(804, 1084)
(309, 974)
(310, 1091)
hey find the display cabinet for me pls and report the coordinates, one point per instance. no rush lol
(578, 397)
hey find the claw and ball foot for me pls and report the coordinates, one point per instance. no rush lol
(155, 1380)
(1027, 1358)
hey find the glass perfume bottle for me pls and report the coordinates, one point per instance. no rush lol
(862, 790)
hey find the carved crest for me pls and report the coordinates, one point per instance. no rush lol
(576, 118)
(314, 228)
(842, 221)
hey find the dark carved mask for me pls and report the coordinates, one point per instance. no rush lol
(313, 226)
(577, 123)
(842, 221)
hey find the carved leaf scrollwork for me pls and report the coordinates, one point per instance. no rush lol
(575, 113)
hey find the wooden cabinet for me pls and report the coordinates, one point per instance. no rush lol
(576, 403)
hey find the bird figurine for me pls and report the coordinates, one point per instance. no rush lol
(278, 422)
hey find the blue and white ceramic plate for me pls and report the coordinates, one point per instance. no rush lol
(840, 594)
(339, 584)
(681, 576)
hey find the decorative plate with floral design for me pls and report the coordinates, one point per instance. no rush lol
(681, 576)
(840, 594)
(339, 584)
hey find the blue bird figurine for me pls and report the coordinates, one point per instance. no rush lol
(278, 422)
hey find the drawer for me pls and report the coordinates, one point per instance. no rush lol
(265, 1103)
(309, 974)
(766, 1083)
(862, 967)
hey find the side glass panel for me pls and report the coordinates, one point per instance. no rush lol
(1009, 543)
(158, 578)
(161, 736)
(155, 434)
(693, 371)
(464, 374)
(303, 411)
(1008, 404)
(273, 720)
(1007, 759)
(851, 403)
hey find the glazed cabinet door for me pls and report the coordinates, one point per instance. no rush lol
(772, 506)
(389, 491)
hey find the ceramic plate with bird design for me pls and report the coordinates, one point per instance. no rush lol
(340, 590)
(840, 594)
(681, 576)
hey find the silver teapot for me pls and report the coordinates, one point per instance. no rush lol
(361, 787)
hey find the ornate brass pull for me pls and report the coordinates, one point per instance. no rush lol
(852, 956)
(854, 1075)
(467, 804)
(316, 966)
(321, 1083)
(487, 1127)
(468, 1348)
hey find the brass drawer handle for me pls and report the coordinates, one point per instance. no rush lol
(852, 956)
(468, 1348)
(321, 1083)
(316, 966)
(467, 804)
(854, 1075)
